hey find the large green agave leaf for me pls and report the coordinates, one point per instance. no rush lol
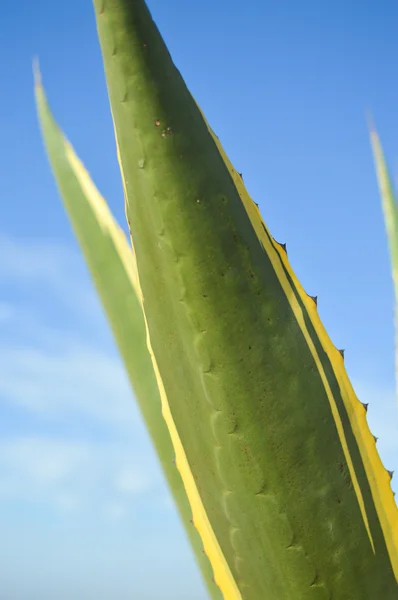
(390, 210)
(112, 266)
(285, 483)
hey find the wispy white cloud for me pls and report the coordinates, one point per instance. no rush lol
(132, 481)
(72, 381)
(51, 267)
(48, 368)
(39, 469)
(115, 511)
(67, 501)
(76, 439)
(43, 461)
(73, 474)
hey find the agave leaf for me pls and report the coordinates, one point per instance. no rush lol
(285, 483)
(112, 266)
(390, 210)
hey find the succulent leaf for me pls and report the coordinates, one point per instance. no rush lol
(285, 483)
(390, 211)
(112, 266)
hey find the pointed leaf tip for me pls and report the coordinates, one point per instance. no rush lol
(36, 72)
(371, 124)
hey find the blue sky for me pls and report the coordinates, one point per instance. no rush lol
(83, 508)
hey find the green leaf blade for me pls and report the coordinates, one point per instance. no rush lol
(390, 212)
(288, 480)
(112, 266)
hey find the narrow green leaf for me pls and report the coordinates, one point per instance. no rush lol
(390, 210)
(286, 486)
(112, 267)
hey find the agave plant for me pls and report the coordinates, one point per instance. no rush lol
(261, 436)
